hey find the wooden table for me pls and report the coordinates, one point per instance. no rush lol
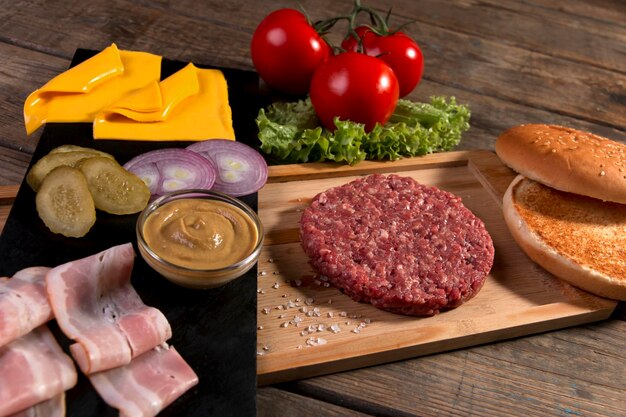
(513, 62)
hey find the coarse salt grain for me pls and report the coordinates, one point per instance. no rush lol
(266, 310)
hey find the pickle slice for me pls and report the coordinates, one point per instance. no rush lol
(114, 189)
(64, 202)
(76, 148)
(46, 164)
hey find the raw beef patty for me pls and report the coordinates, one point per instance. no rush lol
(402, 246)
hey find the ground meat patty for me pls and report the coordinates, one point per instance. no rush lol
(402, 246)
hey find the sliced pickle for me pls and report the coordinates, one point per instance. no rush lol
(64, 202)
(114, 189)
(46, 164)
(76, 148)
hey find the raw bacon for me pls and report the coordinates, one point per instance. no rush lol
(54, 407)
(33, 369)
(23, 303)
(96, 306)
(147, 385)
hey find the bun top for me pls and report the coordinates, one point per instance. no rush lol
(566, 159)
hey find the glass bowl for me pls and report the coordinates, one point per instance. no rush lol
(189, 276)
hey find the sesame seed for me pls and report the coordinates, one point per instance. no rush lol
(285, 324)
(260, 328)
(330, 314)
(266, 347)
(263, 273)
(266, 310)
(602, 173)
(270, 260)
(276, 285)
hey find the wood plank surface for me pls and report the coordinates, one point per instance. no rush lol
(296, 308)
(512, 62)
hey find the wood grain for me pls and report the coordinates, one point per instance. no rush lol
(518, 298)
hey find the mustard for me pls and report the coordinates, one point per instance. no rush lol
(200, 234)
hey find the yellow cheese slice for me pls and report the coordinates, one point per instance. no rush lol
(194, 107)
(81, 92)
(154, 102)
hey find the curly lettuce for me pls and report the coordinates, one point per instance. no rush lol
(291, 132)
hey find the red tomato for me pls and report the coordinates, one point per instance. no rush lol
(286, 51)
(398, 50)
(354, 86)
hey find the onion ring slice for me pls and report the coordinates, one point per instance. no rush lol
(241, 170)
(172, 169)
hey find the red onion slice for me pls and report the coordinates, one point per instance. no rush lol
(240, 169)
(172, 169)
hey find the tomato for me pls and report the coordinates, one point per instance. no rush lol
(286, 51)
(397, 49)
(354, 86)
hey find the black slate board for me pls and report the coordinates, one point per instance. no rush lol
(214, 330)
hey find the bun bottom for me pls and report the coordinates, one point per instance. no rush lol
(527, 208)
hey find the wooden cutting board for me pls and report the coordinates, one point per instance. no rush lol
(308, 328)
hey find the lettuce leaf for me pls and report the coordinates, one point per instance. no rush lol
(291, 132)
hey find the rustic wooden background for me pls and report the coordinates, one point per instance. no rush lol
(512, 61)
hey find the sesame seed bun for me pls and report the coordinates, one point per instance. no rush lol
(566, 159)
(580, 240)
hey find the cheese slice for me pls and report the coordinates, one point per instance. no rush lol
(194, 106)
(80, 93)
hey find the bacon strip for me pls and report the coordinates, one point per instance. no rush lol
(148, 384)
(33, 369)
(95, 305)
(54, 407)
(23, 303)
